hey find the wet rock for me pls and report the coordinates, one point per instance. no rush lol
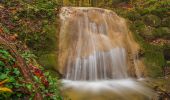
(152, 20)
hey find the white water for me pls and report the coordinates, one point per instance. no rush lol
(116, 86)
(98, 66)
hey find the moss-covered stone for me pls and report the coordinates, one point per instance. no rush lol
(49, 61)
(152, 20)
(162, 32)
(139, 24)
(133, 15)
(166, 22)
(142, 11)
(146, 32)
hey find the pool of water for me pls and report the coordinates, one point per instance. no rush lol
(125, 89)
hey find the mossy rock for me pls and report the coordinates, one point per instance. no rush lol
(162, 32)
(49, 61)
(161, 12)
(166, 22)
(147, 32)
(139, 24)
(142, 11)
(152, 20)
(133, 15)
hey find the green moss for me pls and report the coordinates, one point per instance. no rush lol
(153, 55)
(162, 32)
(166, 22)
(153, 23)
(134, 15)
(48, 60)
(154, 62)
(146, 32)
(152, 20)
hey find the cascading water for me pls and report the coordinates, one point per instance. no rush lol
(94, 44)
(96, 47)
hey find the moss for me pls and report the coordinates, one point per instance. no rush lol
(153, 55)
(48, 60)
(154, 23)
(133, 15)
(166, 22)
(142, 11)
(139, 24)
(146, 32)
(154, 62)
(162, 32)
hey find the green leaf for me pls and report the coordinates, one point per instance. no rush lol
(19, 95)
(3, 76)
(36, 79)
(12, 79)
(2, 63)
(29, 86)
(16, 71)
(46, 73)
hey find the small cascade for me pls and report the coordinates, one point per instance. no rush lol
(94, 43)
(98, 66)
(98, 53)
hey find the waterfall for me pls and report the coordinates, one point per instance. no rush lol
(97, 52)
(94, 45)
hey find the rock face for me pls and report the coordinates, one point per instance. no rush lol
(95, 44)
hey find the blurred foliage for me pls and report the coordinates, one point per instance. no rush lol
(34, 21)
(12, 84)
(11, 75)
